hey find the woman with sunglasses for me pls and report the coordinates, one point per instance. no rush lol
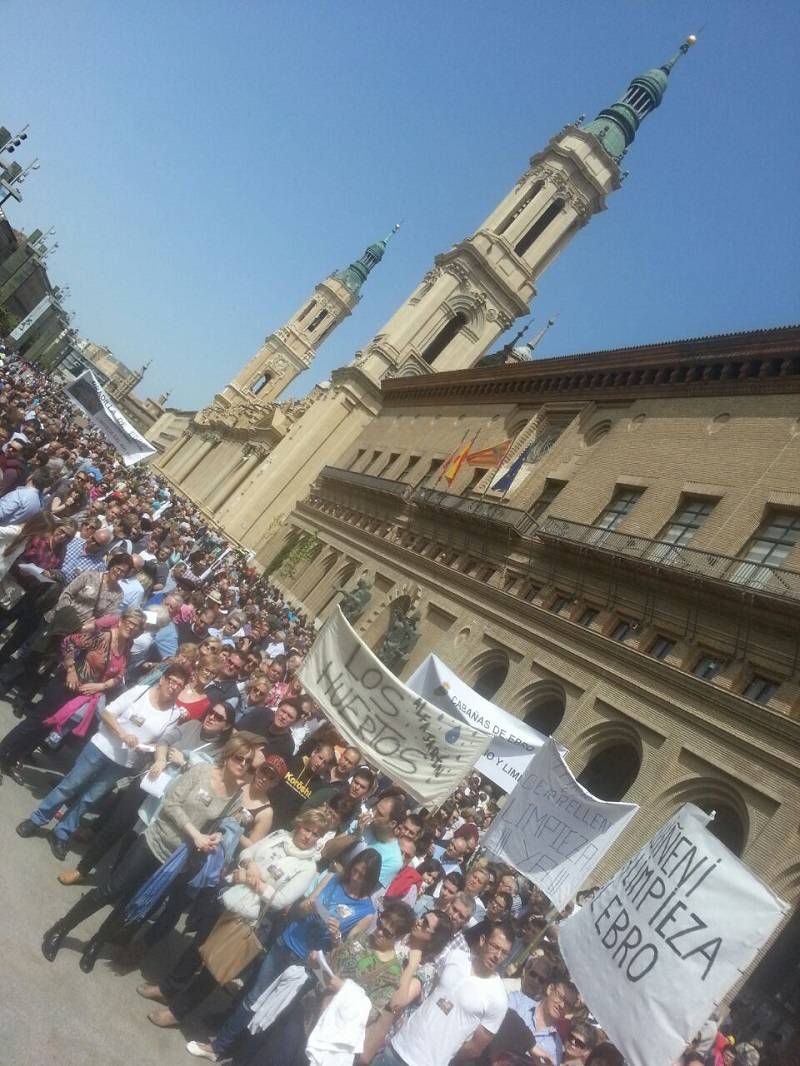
(419, 955)
(271, 876)
(188, 745)
(93, 665)
(197, 800)
(579, 1044)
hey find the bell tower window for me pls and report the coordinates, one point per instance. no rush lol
(307, 310)
(315, 321)
(539, 226)
(260, 383)
(517, 210)
(447, 333)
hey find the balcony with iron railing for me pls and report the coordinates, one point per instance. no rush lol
(694, 563)
(470, 507)
(383, 485)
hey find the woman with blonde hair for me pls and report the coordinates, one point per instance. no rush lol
(192, 811)
(272, 875)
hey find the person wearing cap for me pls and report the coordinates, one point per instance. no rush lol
(274, 726)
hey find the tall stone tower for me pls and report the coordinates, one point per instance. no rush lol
(290, 350)
(473, 294)
(476, 290)
(244, 422)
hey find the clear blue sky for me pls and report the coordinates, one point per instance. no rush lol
(205, 162)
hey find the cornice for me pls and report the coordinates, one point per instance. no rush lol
(757, 362)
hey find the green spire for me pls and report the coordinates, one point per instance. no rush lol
(356, 274)
(615, 127)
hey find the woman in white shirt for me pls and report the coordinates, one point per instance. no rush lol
(130, 727)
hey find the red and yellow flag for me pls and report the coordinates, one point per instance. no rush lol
(489, 456)
(453, 467)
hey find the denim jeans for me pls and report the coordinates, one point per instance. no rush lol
(278, 959)
(91, 777)
(387, 1056)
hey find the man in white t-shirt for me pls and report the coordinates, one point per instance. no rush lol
(463, 1011)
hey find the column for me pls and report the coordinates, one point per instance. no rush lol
(221, 497)
(197, 457)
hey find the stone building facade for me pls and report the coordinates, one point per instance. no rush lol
(636, 593)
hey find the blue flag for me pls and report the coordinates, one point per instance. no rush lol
(503, 483)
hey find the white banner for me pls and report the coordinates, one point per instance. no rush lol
(513, 742)
(552, 830)
(31, 318)
(418, 746)
(667, 937)
(90, 397)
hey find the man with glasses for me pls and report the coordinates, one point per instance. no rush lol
(537, 1017)
(462, 1012)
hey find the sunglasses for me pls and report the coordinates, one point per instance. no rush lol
(577, 1041)
(426, 923)
(384, 928)
(216, 717)
(242, 760)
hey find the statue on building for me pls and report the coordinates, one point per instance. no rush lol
(400, 640)
(354, 603)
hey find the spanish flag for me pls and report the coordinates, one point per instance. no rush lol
(454, 465)
(492, 456)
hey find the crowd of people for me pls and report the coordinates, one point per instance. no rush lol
(206, 797)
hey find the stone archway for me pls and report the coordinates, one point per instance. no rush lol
(542, 706)
(487, 673)
(611, 770)
(731, 822)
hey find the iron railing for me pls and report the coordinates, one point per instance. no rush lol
(469, 507)
(365, 481)
(752, 576)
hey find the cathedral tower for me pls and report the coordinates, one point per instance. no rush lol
(476, 289)
(472, 295)
(290, 350)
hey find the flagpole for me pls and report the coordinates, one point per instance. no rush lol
(496, 468)
(448, 459)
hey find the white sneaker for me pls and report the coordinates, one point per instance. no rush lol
(201, 1051)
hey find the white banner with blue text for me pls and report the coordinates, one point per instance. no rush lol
(414, 743)
(513, 742)
(667, 937)
(552, 830)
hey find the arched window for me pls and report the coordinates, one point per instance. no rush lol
(260, 383)
(490, 680)
(611, 772)
(517, 210)
(726, 825)
(315, 321)
(544, 707)
(539, 226)
(446, 334)
(488, 671)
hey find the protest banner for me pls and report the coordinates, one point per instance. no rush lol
(513, 742)
(88, 395)
(420, 747)
(552, 830)
(666, 938)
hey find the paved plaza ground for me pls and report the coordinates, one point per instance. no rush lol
(52, 1012)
